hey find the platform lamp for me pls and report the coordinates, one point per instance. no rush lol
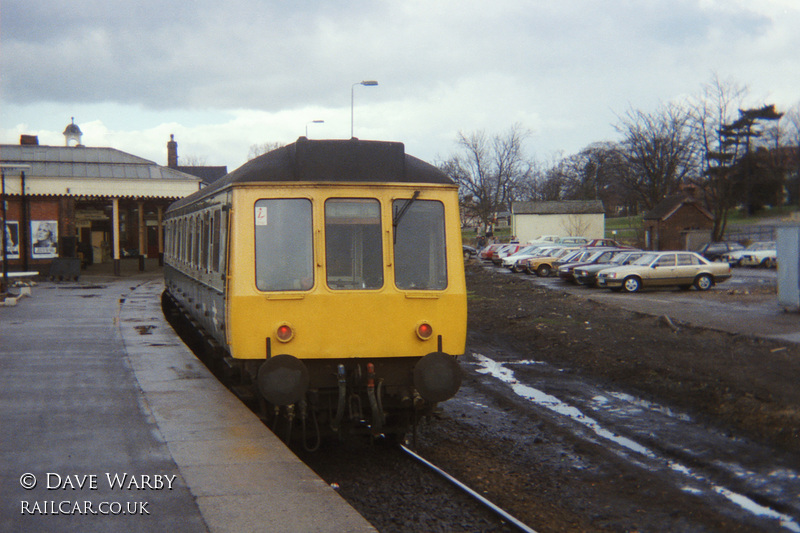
(365, 83)
(313, 122)
(3, 168)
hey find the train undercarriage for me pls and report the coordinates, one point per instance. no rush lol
(306, 402)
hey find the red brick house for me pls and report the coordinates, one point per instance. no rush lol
(669, 222)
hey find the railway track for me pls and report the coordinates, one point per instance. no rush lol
(391, 486)
(473, 494)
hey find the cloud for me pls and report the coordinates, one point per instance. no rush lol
(247, 71)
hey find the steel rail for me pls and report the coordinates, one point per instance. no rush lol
(494, 508)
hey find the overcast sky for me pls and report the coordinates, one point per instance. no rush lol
(223, 76)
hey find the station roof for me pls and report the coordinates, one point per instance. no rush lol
(93, 171)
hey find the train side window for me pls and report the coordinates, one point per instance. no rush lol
(189, 239)
(284, 244)
(182, 240)
(198, 226)
(419, 249)
(353, 245)
(223, 241)
(215, 241)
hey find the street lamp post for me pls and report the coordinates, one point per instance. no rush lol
(365, 83)
(313, 122)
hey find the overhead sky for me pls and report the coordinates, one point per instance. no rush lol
(223, 76)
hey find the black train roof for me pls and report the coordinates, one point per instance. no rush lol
(349, 160)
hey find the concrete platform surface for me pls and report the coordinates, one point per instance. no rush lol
(109, 423)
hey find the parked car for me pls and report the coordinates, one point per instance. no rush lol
(487, 251)
(658, 269)
(572, 241)
(505, 251)
(587, 275)
(469, 252)
(608, 243)
(526, 252)
(544, 239)
(543, 265)
(763, 253)
(566, 270)
(521, 263)
(713, 251)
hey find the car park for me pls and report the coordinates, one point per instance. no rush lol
(587, 274)
(607, 243)
(487, 251)
(660, 269)
(505, 251)
(602, 256)
(526, 252)
(572, 241)
(713, 251)
(545, 239)
(544, 265)
(762, 253)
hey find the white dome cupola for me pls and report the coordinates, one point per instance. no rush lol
(72, 134)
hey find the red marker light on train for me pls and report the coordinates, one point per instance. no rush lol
(284, 333)
(424, 331)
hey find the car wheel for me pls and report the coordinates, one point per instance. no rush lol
(703, 282)
(631, 284)
(767, 263)
(543, 271)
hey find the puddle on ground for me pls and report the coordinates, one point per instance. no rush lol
(497, 370)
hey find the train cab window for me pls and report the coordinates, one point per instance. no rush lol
(353, 248)
(284, 245)
(419, 245)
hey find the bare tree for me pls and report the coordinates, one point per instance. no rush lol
(489, 171)
(598, 172)
(260, 149)
(660, 151)
(791, 136)
(715, 107)
(193, 161)
(575, 225)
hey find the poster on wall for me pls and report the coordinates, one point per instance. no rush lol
(11, 241)
(44, 235)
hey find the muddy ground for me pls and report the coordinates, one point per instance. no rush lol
(735, 382)
(557, 478)
(741, 428)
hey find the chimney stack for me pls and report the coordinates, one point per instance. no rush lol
(172, 152)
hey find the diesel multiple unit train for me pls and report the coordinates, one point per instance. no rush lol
(330, 275)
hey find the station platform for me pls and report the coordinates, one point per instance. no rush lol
(109, 423)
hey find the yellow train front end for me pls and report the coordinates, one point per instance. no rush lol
(330, 273)
(347, 300)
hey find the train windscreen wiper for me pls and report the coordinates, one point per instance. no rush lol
(401, 212)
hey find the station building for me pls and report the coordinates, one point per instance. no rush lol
(75, 201)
